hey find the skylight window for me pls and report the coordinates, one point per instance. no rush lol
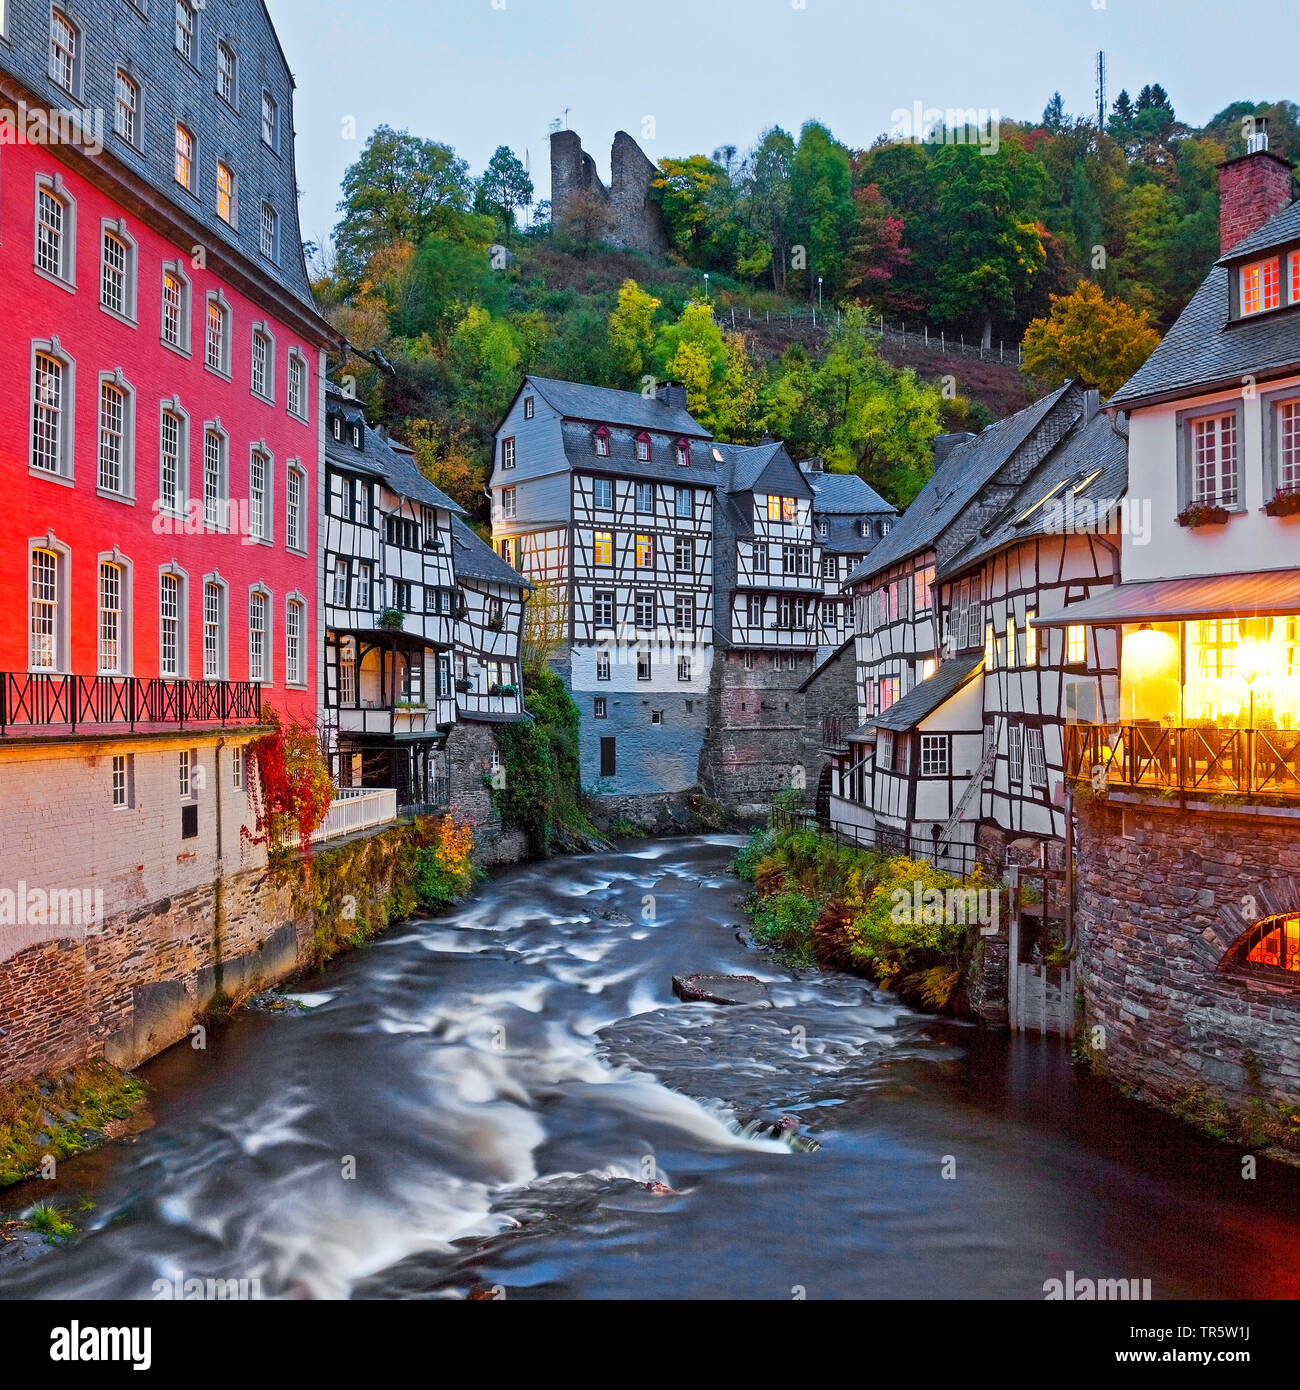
(1042, 502)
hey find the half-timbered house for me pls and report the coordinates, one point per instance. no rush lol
(388, 700)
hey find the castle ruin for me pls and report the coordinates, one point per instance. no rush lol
(635, 222)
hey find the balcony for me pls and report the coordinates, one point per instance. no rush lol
(86, 704)
(399, 719)
(1200, 760)
(836, 729)
(357, 808)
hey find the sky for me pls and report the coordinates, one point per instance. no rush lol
(687, 76)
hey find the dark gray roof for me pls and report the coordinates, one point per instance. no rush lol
(844, 536)
(1203, 350)
(954, 483)
(836, 493)
(607, 406)
(922, 700)
(746, 462)
(475, 559)
(579, 442)
(381, 457)
(1085, 449)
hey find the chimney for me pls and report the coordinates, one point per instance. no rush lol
(672, 394)
(1252, 188)
(1091, 405)
(944, 444)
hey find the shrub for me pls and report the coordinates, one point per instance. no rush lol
(745, 861)
(444, 869)
(784, 921)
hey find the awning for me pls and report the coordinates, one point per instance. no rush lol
(1272, 593)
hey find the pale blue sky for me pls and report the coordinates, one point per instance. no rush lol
(480, 73)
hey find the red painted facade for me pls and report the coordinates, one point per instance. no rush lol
(35, 309)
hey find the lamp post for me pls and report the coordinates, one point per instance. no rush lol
(819, 291)
(706, 284)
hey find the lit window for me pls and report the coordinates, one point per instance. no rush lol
(185, 25)
(184, 157)
(988, 647)
(1295, 277)
(126, 107)
(270, 232)
(63, 52)
(603, 548)
(1076, 647)
(226, 73)
(1031, 640)
(1260, 288)
(225, 193)
(1011, 642)
(43, 645)
(645, 552)
(1275, 942)
(110, 618)
(174, 298)
(270, 120)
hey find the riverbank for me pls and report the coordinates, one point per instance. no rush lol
(899, 922)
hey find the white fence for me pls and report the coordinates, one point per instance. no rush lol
(357, 808)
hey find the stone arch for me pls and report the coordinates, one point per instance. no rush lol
(1240, 920)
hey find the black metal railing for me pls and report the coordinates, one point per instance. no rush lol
(1263, 761)
(956, 857)
(36, 700)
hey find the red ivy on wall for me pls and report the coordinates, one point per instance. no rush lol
(292, 789)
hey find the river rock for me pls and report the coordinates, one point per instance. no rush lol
(720, 989)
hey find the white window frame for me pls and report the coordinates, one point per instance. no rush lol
(185, 37)
(261, 524)
(1037, 752)
(228, 74)
(260, 674)
(297, 365)
(268, 233)
(295, 476)
(66, 53)
(295, 661)
(123, 567)
(66, 423)
(1188, 422)
(602, 494)
(65, 276)
(54, 608)
(266, 392)
(175, 505)
(1015, 754)
(180, 669)
(935, 759)
(216, 510)
(115, 381)
(508, 503)
(218, 668)
(114, 230)
(270, 119)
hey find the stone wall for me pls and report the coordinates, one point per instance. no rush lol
(133, 985)
(1164, 892)
(636, 223)
(469, 751)
(832, 691)
(755, 740)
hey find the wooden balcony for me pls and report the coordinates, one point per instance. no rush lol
(836, 729)
(1263, 762)
(398, 719)
(40, 702)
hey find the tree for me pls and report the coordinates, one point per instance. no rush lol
(546, 625)
(504, 187)
(734, 401)
(695, 196)
(994, 248)
(765, 207)
(1054, 117)
(821, 204)
(692, 350)
(586, 220)
(448, 459)
(1099, 340)
(486, 356)
(876, 253)
(631, 331)
(400, 188)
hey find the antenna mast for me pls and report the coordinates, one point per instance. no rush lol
(1101, 92)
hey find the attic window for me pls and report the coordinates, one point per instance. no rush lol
(823, 526)
(885, 524)
(683, 454)
(1261, 287)
(1042, 502)
(1087, 480)
(717, 455)
(336, 427)
(643, 448)
(602, 442)
(356, 436)
(529, 405)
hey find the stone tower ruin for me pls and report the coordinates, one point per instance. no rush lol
(635, 220)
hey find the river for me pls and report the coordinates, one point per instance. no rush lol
(488, 1100)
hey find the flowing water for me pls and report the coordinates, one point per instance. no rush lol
(525, 1106)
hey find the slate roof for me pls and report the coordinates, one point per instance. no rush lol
(579, 444)
(922, 700)
(475, 559)
(1086, 448)
(953, 484)
(604, 405)
(745, 462)
(845, 493)
(1203, 350)
(381, 458)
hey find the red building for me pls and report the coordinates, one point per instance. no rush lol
(159, 436)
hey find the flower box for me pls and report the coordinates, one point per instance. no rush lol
(1284, 504)
(496, 624)
(391, 619)
(1200, 514)
(462, 685)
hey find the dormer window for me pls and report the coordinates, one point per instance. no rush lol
(884, 527)
(1294, 276)
(823, 526)
(683, 454)
(336, 427)
(356, 436)
(643, 448)
(602, 442)
(1261, 288)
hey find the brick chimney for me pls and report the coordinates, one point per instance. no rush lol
(1252, 188)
